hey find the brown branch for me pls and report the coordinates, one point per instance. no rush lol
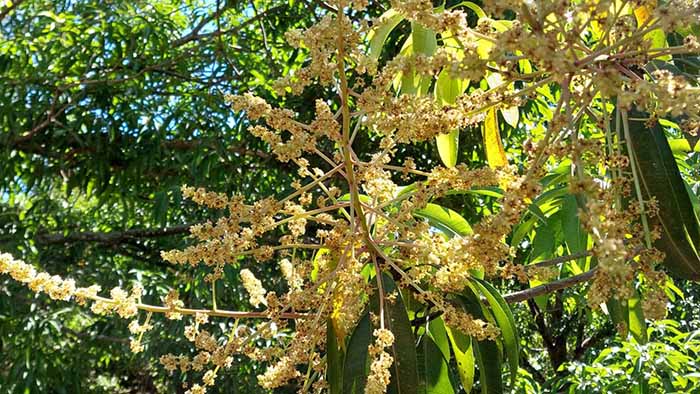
(112, 237)
(547, 288)
(106, 338)
(560, 259)
(9, 9)
(192, 144)
(50, 118)
(592, 341)
(194, 35)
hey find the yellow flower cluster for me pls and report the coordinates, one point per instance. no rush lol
(254, 288)
(347, 215)
(379, 375)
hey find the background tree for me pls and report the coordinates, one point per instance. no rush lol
(107, 109)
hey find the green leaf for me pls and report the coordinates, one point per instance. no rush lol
(638, 326)
(464, 355)
(160, 207)
(661, 179)
(682, 145)
(574, 233)
(619, 312)
(495, 154)
(438, 332)
(488, 358)
(444, 219)
(447, 90)
(423, 41)
(356, 363)
(506, 322)
(380, 32)
(486, 353)
(434, 370)
(334, 361)
(447, 145)
(472, 6)
(694, 200)
(404, 369)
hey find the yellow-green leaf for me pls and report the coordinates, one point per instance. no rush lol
(464, 355)
(334, 361)
(447, 90)
(379, 33)
(495, 154)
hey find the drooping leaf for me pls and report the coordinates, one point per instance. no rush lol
(423, 41)
(661, 179)
(444, 219)
(438, 332)
(574, 233)
(160, 207)
(657, 37)
(404, 369)
(493, 146)
(488, 358)
(447, 145)
(472, 6)
(334, 361)
(379, 33)
(683, 145)
(464, 356)
(637, 324)
(447, 90)
(619, 313)
(486, 353)
(355, 365)
(511, 114)
(506, 323)
(434, 370)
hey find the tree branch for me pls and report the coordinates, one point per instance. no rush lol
(112, 237)
(592, 341)
(550, 287)
(9, 9)
(195, 35)
(560, 259)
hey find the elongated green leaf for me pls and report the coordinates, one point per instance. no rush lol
(447, 145)
(637, 327)
(379, 33)
(433, 368)
(404, 370)
(334, 361)
(486, 353)
(488, 358)
(438, 332)
(447, 90)
(682, 145)
(444, 219)
(472, 6)
(619, 313)
(657, 37)
(495, 154)
(423, 41)
(506, 322)
(356, 364)
(661, 179)
(160, 207)
(574, 233)
(694, 200)
(464, 355)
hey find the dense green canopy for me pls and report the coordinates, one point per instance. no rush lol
(108, 108)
